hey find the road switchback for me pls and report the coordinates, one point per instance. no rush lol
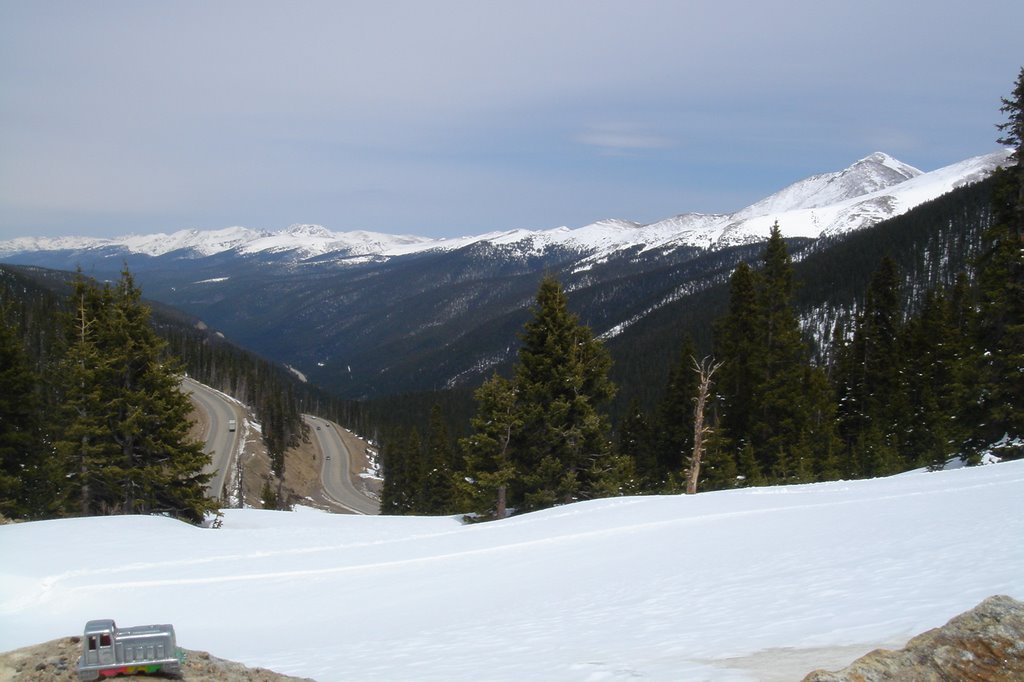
(335, 468)
(221, 442)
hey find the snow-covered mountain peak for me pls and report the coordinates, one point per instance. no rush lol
(870, 174)
(883, 159)
(871, 189)
(310, 231)
(876, 171)
(854, 204)
(617, 224)
(202, 242)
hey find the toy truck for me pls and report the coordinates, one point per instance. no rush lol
(108, 650)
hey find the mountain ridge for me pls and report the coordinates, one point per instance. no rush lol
(871, 189)
(369, 314)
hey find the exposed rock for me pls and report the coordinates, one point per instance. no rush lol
(56, 661)
(985, 644)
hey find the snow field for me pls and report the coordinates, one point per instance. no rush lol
(711, 586)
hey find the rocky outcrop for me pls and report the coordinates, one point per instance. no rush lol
(55, 662)
(985, 644)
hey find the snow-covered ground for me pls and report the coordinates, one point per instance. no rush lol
(763, 583)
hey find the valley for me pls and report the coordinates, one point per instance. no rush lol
(327, 469)
(367, 315)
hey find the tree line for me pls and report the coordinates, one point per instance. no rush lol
(38, 330)
(92, 420)
(908, 379)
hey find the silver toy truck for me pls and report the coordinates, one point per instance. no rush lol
(108, 650)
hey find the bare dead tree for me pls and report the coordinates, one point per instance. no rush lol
(705, 370)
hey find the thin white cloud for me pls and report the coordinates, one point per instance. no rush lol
(622, 137)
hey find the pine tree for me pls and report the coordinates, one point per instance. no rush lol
(562, 382)
(401, 460)
(738, 346)
(89, 458)
(268, 495)
(781, 413)
(772, 415)
(933, 371)
(635, 439)
(1000, 330)
(749, 468)
(21, 449)
(1013, 136)
(720, 470)
(126, 439)
(488, 459)
(871, 399)
(282, 423)
(821, 439)
(674, 418)
(437, 486)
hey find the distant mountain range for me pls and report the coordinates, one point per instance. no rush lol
(872, 189)
(367, 313)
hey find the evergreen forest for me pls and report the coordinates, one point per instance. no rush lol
(65, 442)
(917, 359)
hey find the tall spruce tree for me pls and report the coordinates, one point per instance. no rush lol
(125, 440)
(673, 421)
(562, 385)
(401, 459)
(871, 399)
(637, 440)
(487, 452)
(437, 486)
(1001, 287)
(738, 346)
(933, 371)
(773, 425)
(821, 439)
(89, 460)
(21, 448)
(1012, 130)
(781, 414)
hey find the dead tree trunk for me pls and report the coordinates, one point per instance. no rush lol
(501, 511)
(705, 369)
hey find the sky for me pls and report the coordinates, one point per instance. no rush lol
(457, 117)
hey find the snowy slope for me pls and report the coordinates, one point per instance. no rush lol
(876, 172)
(870, 190)
(813, 218)
(304, 241)
(761, 583)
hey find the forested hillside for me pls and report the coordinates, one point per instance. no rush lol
(888, 348)
(43, 329)
(896, 347)
(92, 420)
(931, 245)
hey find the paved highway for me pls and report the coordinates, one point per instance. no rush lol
(335, 464)
(221, 443)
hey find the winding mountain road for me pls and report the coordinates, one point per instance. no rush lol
(221, 443)
(335, 467)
